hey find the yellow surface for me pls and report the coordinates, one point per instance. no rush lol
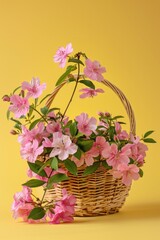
(124, 36)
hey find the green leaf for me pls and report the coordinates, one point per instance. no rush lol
(31, 110)
(75, 60)
(149, 140)
(91, 169)
(37, 213)
(64, 75)
(17, 126)
(34, 183)
(111, 131)
(38, 162)
(8, 114)
(56, 178)
(78, 153)
(105, 164)
(121, 122)
(72, 79)
(73, 129)
(34, 123)
(44, 165)
(35, 168)
(54, 163)
(148, 133)
(132, 161)
(71, 166)
(53, 109)
(85, 145)
(68, 124)
(141, 172)
(116, 117)
(88, 83)
(16, 121)
(44, 110)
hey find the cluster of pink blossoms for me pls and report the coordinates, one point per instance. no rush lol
(60, 211)
(64, 144)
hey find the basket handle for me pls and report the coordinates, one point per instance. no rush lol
(115, 89)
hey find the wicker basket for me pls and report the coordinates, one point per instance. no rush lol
(98, 193)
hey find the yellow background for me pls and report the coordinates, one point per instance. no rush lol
(124, 36)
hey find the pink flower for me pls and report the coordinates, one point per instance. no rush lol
(30, 151)
(22, 204)
(100, 145)
(62, 146)
(62, 54)
(37, 133)
(78, 162)
(86, 158)
(64, 209)
(86, 125)
(34, 88)
(19, 106)
(138, 150)
(89, 92)
(114, 157)
(47, 142)
(120, 135)
(93, 70)
(127, 172)
(53, 127)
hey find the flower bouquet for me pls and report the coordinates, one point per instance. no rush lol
(85, 165)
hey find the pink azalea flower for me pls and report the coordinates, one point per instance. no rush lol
(62, 146)
(120, 135)
(30, 151)
(25, 136)
(86, 158)
(89, 157)
(127, 172)
(64, 209)
(37, 133)
(34, 88)
(89, 92)
(53, 127)
(103, 126)
(48, 143)
(62, 54)
(114, 157)
(100, 145)
(19, 106)
(86, 125)
(138, 150)
(78, 162)
(93, 70)
(22, 204)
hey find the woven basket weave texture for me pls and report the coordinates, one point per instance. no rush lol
(96, 194)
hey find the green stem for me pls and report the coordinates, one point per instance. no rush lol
(74, 90)
(45, 190)
(39, 114)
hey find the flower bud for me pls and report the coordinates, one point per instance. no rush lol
(101, 114)
(13, 132)
(6, 98)
(107, 114)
